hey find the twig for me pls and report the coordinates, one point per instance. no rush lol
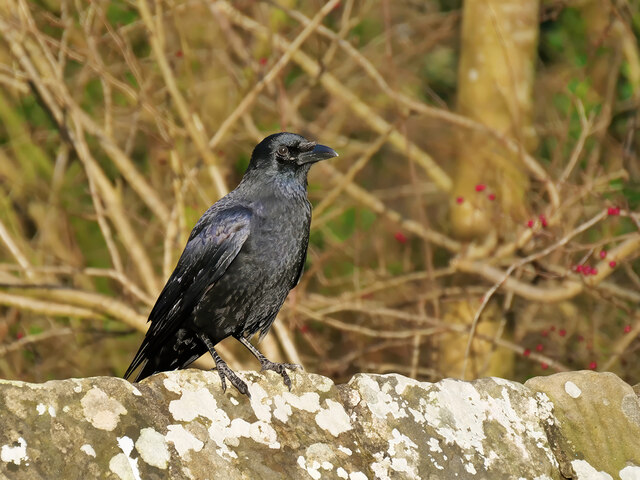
(282, 62)
(342, 363)
(531, 163)
(30, 339)
(368, 332)
(57, 98)
(345, 95)
(577, 149)
(284, 337)
(15, 250)
(570, 287)
(348, 177)
(379, 207)
(622, 345)
(191, 121)
(448, 326)
(105, 229)
(137, 252)
(125, 281)
(45, 308)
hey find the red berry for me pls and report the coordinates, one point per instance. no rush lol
(19, 335)
(586, 270)
(612, 264)
(578, 268)
(593, 365)
(552, 328)
(492, 196)
(530, 223)
(304, 328)
(539, 347)
(179, 54)
(627, 328)
(562, 332)
(545, 333)
(603, 254)
(594, 271)
(262, 61)
(526, 352)
(613, 211)
(480, 187)
(544, 365)
(543, 220)
(459, 200)
(400, 237)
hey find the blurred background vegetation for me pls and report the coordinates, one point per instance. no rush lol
(482, 218)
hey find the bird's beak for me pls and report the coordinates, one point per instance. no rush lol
(319, 152)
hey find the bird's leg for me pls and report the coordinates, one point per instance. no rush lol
(223, 369)
(267, 364)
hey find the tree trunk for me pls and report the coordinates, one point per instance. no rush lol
(495, 84)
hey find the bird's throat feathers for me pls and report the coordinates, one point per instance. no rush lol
(287, 182)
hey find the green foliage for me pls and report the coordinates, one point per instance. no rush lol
(192, 214)
(33, 160)
(439, 72)
(565, 39)
(367, 218)
(366, 30)
(345, 225)
(316, 239)
(120, 12)
(631, 192)
(293, 74)
(35, 329)
(37, 117)
(93, 96)
(241, 163)
(579, 88)
(395, 268)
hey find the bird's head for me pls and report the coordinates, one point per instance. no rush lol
(288, 154)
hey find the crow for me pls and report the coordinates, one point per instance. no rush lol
(244, 255)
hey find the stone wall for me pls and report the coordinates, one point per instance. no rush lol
(582, 425)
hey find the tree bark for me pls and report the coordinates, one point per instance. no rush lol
(495, 85)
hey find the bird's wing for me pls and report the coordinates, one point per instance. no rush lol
(301, 263)
(213, 244)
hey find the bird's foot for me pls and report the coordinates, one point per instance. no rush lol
(281, 368)
(225, 372)
(223, 369)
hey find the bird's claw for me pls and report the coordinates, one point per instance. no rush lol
(223, 381)
(281, 368)
(225, 372)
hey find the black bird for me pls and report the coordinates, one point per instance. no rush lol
(243, 256)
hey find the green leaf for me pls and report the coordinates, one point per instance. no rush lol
(367, 218)
(35, 329)
(345, 225)
(120, 13)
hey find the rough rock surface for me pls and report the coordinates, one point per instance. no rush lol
(177, 425)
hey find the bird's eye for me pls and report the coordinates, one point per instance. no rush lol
(283, 151)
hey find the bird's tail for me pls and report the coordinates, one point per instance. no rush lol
(173, 354)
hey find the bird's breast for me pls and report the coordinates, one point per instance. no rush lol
(278, 238)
